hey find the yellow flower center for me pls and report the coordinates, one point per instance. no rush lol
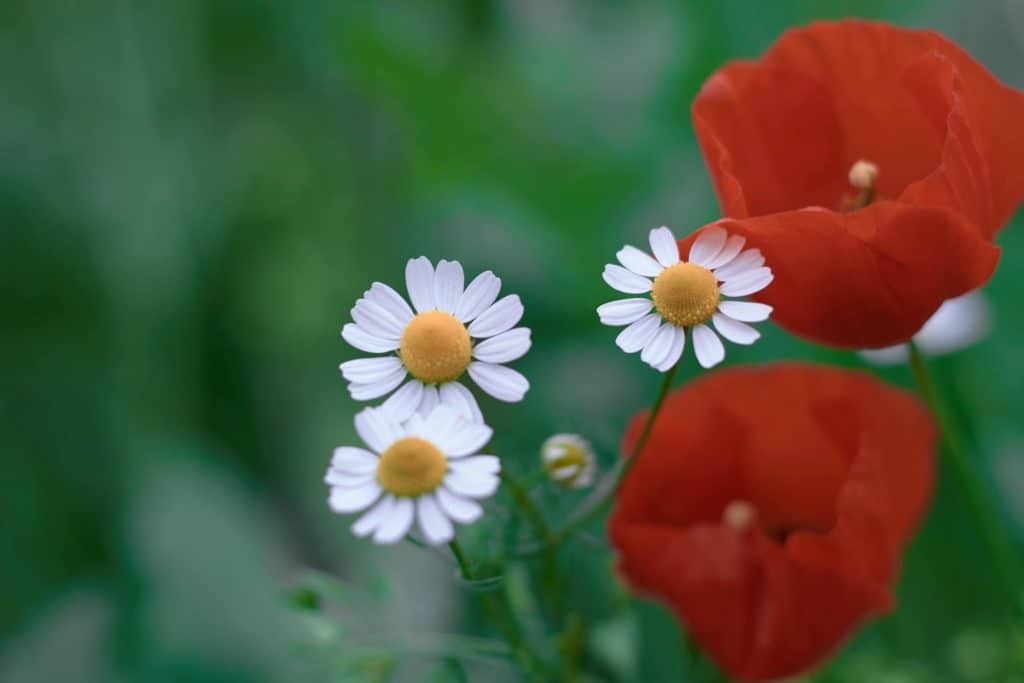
(571, 456)
(685, 294)
(435, 347)
(411, 467)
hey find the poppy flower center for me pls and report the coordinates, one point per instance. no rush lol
(411, 467)
(862, 176)
(435, 347)
(739, 514)
(685, 294)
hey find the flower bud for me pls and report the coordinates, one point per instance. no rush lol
(569, 460)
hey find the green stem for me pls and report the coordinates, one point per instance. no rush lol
(532, 512)
(549, 578)
(501, 615)
(460, 558)
(597, 505)
(996, 543)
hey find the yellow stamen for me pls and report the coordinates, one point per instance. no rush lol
(435, 347)
(685, 294)
(411, 467)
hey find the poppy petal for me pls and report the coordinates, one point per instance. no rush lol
(867, 279)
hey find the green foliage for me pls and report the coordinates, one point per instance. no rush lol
(194, 193)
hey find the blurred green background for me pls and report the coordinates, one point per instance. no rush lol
(194, 193)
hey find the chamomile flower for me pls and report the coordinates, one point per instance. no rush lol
(569, 460)
(686, 295)
(425, 470)
(959, 322)
(454, 331)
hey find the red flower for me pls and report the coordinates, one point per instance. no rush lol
(770, 508)
(781, 134)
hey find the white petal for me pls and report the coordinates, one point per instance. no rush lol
(419, 282)
(505, 347)
(462, 510)
(478, 297)
(889, 355)
(958, 323)
(372, 390)
(624, 311)
(675, 352)
(655, 353)
(664, 246)
(354, 460)
(734, 330)
(501, 316)
(748, 283)
(707, 347)
(469, 438)
(441, 424)
(434, 524)
(428, 402)
(471, 486)
(377, 429)
(391, 301)
(732, 248)
(639, 262)
(375, 320)
(626, 281)
(415, 425)
(748, 260)
(369, 370)
(707, 245)
(369, 522)
(458, 397)
(448, 283)
(404, 402)
(345, 500)
(477, 466)
(504, 384)
(347, 480)
(364, 341)
(395, 525)
(745, 311)
(639, 334)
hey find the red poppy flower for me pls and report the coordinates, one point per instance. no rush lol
(782, 134)
(770, 508)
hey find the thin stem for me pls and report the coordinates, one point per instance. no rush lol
(982, 515)
(596, 505)
(460, 559)
(501, 615)
(549, 578)
(528, 507)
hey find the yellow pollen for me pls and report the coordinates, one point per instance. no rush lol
(685, 294)
(411, 467)
(435, 347)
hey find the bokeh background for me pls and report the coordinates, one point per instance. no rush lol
(193, 194)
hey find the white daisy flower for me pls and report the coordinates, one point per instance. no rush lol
(438, 343)
(686, 295)
(569, 460)
(424, 470)
(958, 323)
